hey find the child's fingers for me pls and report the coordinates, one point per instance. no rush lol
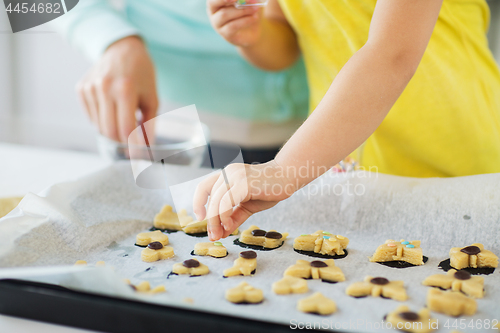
(201, 195)
(232, 198)
(229, 14)
(214, 5)
(240, 215)
(91, 102)
(233, 27)
(127, 103)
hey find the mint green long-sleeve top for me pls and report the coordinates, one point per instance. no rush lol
(194, 64)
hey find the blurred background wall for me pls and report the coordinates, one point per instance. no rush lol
(36, 64)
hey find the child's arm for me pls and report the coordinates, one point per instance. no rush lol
(354, 106)
(263, 37)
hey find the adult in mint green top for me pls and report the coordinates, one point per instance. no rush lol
(194, 65)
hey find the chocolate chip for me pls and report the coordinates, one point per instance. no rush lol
(380, 281)
(462, 275)
(155, 246)
(248, 254)
(409, 316)
(258, 233)
(273, 235)
(191, 263)
(319, 264)
(471, 250)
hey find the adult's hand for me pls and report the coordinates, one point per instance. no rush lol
(121, 82)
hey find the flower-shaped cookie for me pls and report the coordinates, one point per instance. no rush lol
(290, 285)
(406, 320)
(167, 219)
(321, 242)
(156, 251)
(317, 303)
(244, 293)
(474, 256)
(451, 303)
(213, 249)
(144, 238)
(410, 252)
(266, 239)
(377, 287)
(244, 265)
(317, 269)
(472, 286)
(192, 267)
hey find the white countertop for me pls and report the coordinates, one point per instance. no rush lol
(26, 169)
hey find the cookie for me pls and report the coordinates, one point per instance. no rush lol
(472, 286)
(84, 263)
(167, 219)
(196, 228)
(378, 287)
(474, 256)
(415, 322)
(156, 251)
(290, 285)
(145, 287)
(321, 242)
(244, 293)
(259, 239)
(451, 303)
(245, 265)
(317, 303)
(409, 252)
(317, 269)
(192, 267)
(144, 238)
(212, 249)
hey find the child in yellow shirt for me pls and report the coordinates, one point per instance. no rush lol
(427, 62)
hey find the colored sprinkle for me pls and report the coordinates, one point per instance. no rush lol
(304, 235)
(326, 237)
(391, 244)
(241, 2)
(326, 233)
(405, 243)
(410, 246)
(217, 243)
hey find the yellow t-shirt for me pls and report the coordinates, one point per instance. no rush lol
(447, 121)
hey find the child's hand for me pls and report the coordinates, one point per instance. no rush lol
(241, 27)
(248, 188)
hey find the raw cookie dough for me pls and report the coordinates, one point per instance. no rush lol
(167, 219)
(317, 303)
(408, 321)
(244, 265)
(261, 239)
(472, 286)
(290, 285)
(474, 256)
(145, 287)
(84, 263)
(192, 267)
(196, 227)
(451, 303)
(377, 287)
(316, 269)
(156, 251)
(410, 252)
(145, 238)
(213, 249)
(244, 293)
(321, 242)
(8, 204)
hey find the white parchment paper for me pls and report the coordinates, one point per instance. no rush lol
(97, 218)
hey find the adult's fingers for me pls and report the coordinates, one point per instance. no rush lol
(215, 5)
(107, 109)
(229, 14)
(127, 102)
(201, 195)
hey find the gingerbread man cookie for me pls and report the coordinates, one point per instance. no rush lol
(290, 285)
(472, 286)
(156, 251)
(474, 256)
(451, 303)
(377, 287)
(213, 249)
(406, 251)
(414, 322)
(317, 269)
(321, 242)
(144, 238)
(261, 239)
(192, 267)
(244, 293)
(245, 265)
(317, 303)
